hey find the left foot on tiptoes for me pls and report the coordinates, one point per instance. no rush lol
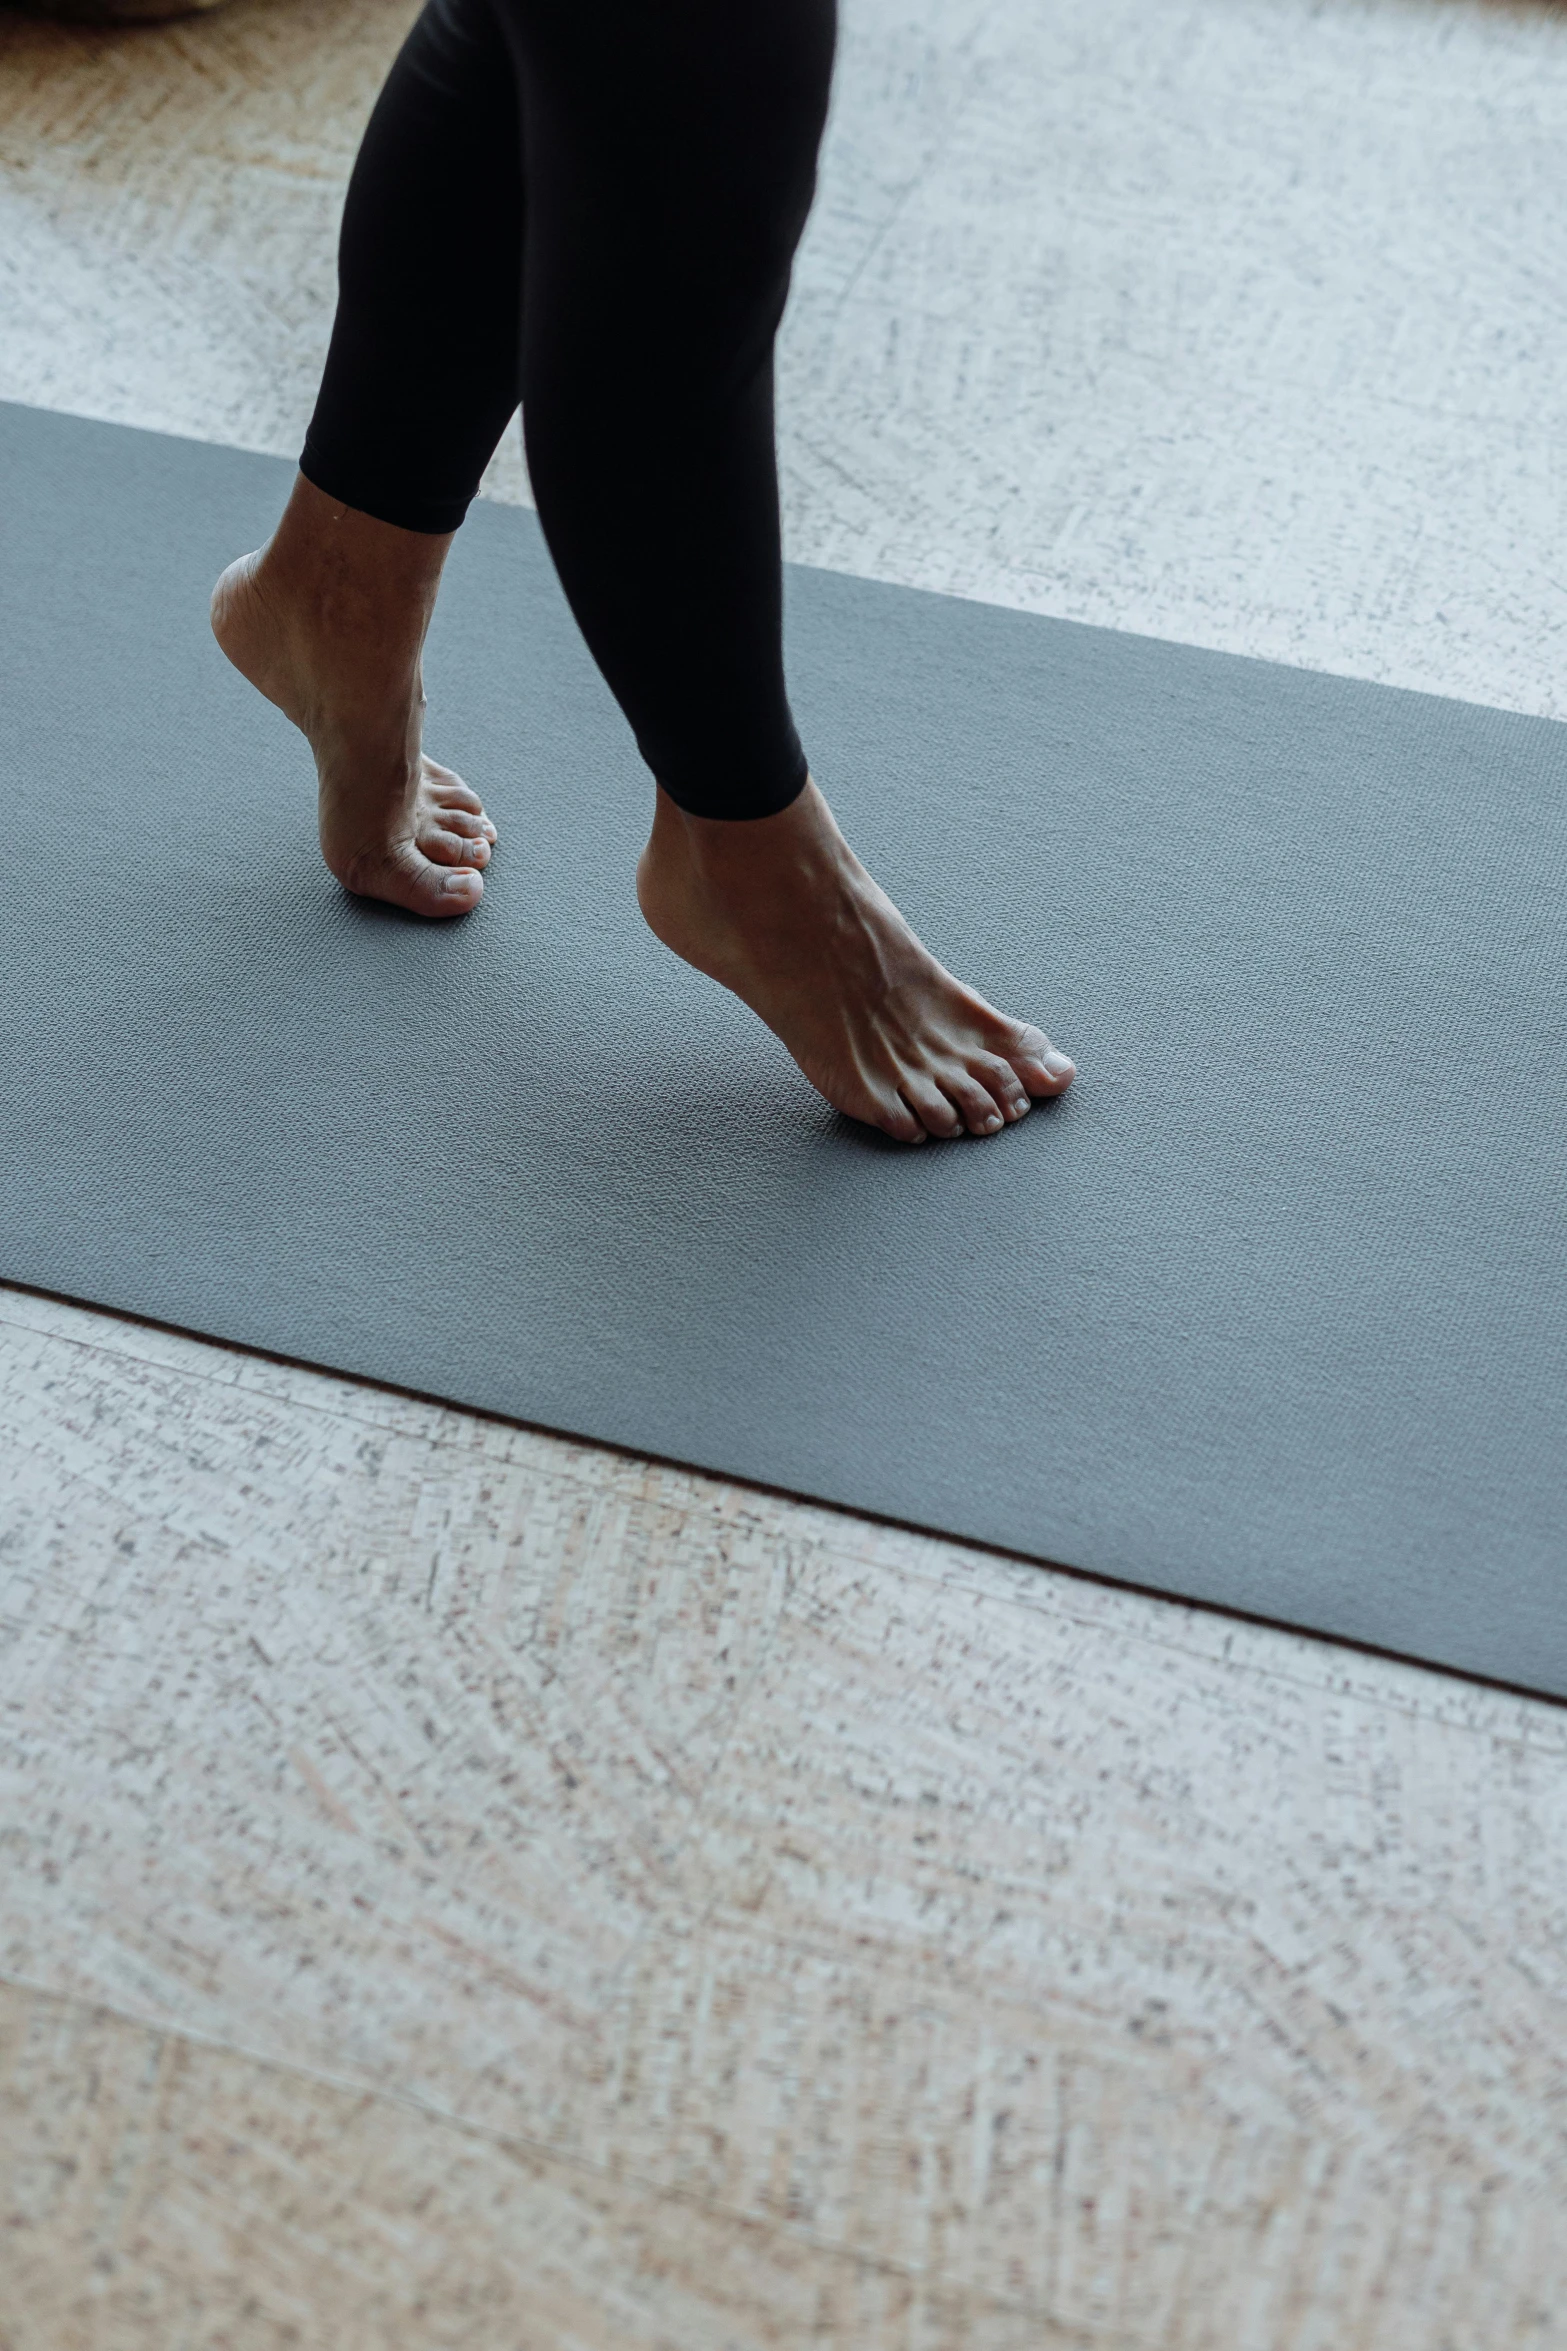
(781, 910)
(328, 621)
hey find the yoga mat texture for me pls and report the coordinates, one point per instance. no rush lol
(1270, 1311)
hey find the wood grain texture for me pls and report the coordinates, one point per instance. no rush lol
(1061, 1955)
(169, 202)
(457, 1886)
(1231, 321)
(165, 2194)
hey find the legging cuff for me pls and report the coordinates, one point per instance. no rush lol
(764, 795)
(435, 516)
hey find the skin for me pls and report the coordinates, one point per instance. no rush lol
(329, 619)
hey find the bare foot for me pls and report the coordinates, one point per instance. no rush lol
(328, 620)
(781, 910)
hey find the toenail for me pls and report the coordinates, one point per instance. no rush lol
(1058, 1064)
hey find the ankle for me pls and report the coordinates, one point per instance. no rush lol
(723, 853)
(350, 576)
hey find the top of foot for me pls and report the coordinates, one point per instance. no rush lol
(780, 910)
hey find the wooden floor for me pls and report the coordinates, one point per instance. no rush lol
(460, 1887)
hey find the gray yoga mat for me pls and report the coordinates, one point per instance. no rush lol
(1270, 1311)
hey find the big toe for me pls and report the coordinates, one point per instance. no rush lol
(402, 876)
(1042, 1067)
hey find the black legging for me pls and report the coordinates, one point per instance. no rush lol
(592, 206)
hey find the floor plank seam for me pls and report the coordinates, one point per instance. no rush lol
(541, 2150)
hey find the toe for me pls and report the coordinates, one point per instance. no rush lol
(876, 1104)
(467, 823)
(1002, 1083)
(930, 1105)
(449, 794)
(448, 891)
(403, 878)
(1041, 1067)
(445, 845)
(895, 1118)
(453, 793)
(973, 1102)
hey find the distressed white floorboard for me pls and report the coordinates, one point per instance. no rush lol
(1236, 321)
(1064, 1955)
(465, 1887)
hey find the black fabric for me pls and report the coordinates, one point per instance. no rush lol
(1270, 1310)
(592, 206)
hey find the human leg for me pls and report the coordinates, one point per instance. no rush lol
(424, 368)
(669, 156)
(670, 165)
(670, 162)
(329, 618)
